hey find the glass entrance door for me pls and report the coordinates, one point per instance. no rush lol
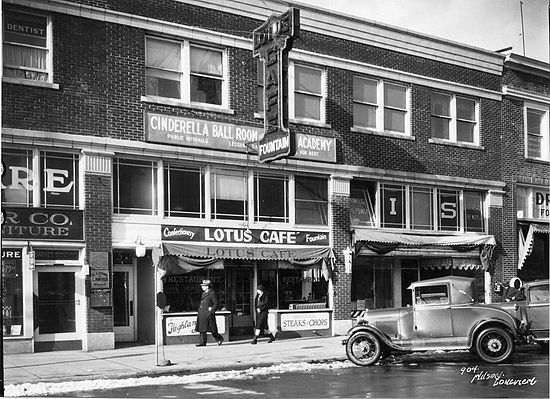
(241, 279)
(123, 303)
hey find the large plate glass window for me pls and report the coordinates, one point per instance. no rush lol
(473, 211)
(26, 49)
(134, 186)
(421, 205)
(393, 206)
(17, 178)
(229, 195)
(12, 291)
(363, 203)
(308, 93)
(184, 191)
(537, 141)
(449, 210)
(311, 200)
(185, 71)
(59, 173)
(271, 198)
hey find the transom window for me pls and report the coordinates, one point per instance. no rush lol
(380, 105)
(185, 71)
(307, 87)
(454, 118)
(60, 179)
(26, 46)
(537, 126)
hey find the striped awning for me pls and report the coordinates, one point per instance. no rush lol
(526, 243)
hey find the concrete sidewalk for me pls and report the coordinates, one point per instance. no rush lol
(138, 361)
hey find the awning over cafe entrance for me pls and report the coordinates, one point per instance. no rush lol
(383, 242)
(191, 256)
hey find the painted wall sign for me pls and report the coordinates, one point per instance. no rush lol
(272, 42)
(304, 321)
(185, 325)
(43, 224)
(191, 132)
(243, 236)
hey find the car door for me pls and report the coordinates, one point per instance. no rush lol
(537, 310)
(432, 316)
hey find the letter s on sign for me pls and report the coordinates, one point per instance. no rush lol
(448, 210)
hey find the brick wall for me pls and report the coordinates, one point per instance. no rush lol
(341, 240)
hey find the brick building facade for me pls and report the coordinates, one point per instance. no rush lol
(130, 123)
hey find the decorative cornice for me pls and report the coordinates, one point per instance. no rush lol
(520, 94)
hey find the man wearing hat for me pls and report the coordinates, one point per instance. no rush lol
(206, 315)
(261, 303)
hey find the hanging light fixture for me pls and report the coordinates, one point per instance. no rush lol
(140, 248)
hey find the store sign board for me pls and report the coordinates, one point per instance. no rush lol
(243, 236)
(305, 321)
(533, 203)
(185, 325)
(43, 224)
(192, 132)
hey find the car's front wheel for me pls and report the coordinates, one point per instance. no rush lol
(364, 348)
(494, 345)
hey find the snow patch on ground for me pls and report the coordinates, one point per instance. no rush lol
(50, 388)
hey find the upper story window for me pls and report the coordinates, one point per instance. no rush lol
(454, 118)
(27, 46)
(260, 85)
(185, 71)
(311, 200)
(229, 195)
(36, 178)
(307, 93)
(537, 126)
(271, 198)
(135, 186)
(380, 105)
(184, 191)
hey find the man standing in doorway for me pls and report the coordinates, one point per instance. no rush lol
(206, 315)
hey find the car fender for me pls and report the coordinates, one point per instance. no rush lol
(383, 337)
(508, 325)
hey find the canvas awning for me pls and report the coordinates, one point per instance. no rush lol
(526, 244)
(383, 242)
(195, 256)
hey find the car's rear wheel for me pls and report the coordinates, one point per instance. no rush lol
(494, 345)
(364, 348)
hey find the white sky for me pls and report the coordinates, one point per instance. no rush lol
(489, 24)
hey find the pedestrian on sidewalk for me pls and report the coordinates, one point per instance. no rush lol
(261, 303)
(206, 314)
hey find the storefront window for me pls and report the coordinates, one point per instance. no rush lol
(449, 210)
(393, 206)
(17, 179)
(362, 203)
(299, 286)
(229, 195)
(311, 200)
(59, 173)
(371, 284)
(421, 208)
(135, 187)
(271, 197)
(184, 189)
(473, 211)
(183, 291)
(12, 292)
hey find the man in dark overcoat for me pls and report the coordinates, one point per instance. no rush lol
(206, 314)
(261, 303)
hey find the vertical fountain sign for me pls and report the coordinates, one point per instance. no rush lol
(272, 43)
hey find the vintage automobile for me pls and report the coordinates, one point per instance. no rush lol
(445, 316)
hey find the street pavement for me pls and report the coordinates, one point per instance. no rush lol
(148, 360)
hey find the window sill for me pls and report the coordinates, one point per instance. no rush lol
(403, 136)
(456, 144)
(179, 103)
(34, 83)
(539, 161)
(310, 122)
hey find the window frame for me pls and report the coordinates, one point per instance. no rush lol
(382, 107)
(292, 93)
(168, 167)
(454, 120)
(155, 185)
(49, 50)
(214, 215)
(258, 218)
(326, 202)
(186, 74)
(544, 133)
